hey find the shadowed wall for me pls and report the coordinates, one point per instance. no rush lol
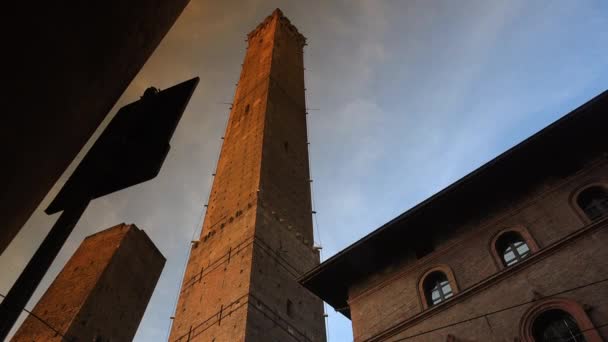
(67, 68)
(101, 293)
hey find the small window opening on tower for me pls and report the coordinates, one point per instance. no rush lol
(286, 146)
(289, 308)
(246, 109)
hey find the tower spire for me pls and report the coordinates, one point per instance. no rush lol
(277, 13)
(241, 283)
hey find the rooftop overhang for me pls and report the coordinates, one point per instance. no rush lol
(555, 152)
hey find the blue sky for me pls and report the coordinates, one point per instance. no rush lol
(412, 95)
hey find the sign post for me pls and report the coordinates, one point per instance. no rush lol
(131, 150)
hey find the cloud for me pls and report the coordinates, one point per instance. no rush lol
(412, 96)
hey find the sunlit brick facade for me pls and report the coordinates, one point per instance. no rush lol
(241, 280)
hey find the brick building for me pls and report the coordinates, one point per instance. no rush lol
(241, 283)
(101, 293)
(514, 251)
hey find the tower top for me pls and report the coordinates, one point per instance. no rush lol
(259, 208)
(278, 16)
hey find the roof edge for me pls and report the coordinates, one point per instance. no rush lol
(311, 274)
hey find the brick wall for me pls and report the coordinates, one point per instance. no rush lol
(390, 301)
(257, 233)
(102, 291)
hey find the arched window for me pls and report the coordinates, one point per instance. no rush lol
(594, 202)
(557, 319)
(512, 245)
(512, 248)
(556, 325)
(437, 288)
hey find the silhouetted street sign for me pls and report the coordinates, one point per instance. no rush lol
(130, 150)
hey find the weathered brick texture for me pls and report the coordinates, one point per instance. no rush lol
(240, 282)
(101, 293)
(572, 252)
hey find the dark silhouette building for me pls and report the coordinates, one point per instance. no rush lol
(514, 251)
(102, 291)
(131, 150)
(67, 65)
(241, 283)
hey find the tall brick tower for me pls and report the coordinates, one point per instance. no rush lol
(240, 282)
(102, 291)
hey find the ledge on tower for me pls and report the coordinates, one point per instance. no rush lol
(278, 15)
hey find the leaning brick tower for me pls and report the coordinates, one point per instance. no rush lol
(241, 283)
